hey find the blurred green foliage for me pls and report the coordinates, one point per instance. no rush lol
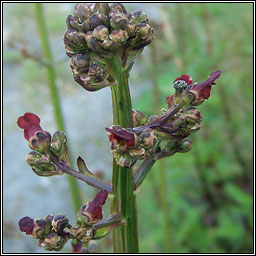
(209, 189)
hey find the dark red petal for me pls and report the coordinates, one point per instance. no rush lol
(26, 224)
(27, 120)
(120, 134)
(97, 213)
(100, 198)
(186, 78)
(205, 92)
(30, 131)
(77, 248)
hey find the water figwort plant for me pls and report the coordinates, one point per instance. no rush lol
(103, 42)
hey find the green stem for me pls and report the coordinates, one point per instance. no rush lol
(125, 238)
(160, 176)
(54, 94)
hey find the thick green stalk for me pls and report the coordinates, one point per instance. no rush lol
(54, 94)
(125, 238)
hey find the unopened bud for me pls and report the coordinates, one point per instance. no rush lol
(81, 233)
(41, 164)
(97, 73)
(95, 21)
(118, 21)
(118, 7)
(40, 141)
(140, 17)
(144, 30)
(125, 159)
(101, 33)
(59, 146)
(59, 223)
(119, 36)
(81, 12)
(80, 64)
(72, 23)
(75, 40)
(52, 242)
(103, 8)
(41, 229)
(185, 146)
(148, 138)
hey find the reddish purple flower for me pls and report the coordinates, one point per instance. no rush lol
(38, 139)
(186, 78)
(93, 210)
(201, 91)
(122, 137)
(30, 123)
(27, 225)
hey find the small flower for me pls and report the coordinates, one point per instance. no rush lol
(26, 224)
(92, 212)
(121, 138)
(201, 91)
(38, 139)
(181, 82)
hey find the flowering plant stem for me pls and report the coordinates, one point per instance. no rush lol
(54, 94)
(125, 238)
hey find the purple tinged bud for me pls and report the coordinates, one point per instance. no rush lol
(80, 64)
(119, 36)
(101, 33)
(140, 17)
(26, 224)
(185, 146)
(81, 12)
(118, 7)
(118, 21)
(94, 21)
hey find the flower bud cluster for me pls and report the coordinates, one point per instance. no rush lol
(127, 146)
(99, 31)
(43, 145)
(53, 231)
(173, 126)
(49, 231)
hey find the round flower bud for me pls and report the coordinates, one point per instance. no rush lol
(81, 12)
(101, 33)
(41, 229)
(52, 242)
(95, 20)
(97, 73)
(118, 7)
(185, 146)
(72, 23)
(103, 8)
(118, 21)
(80, 64)
(140, 17)
(144, 30)
(75, 40)
(59, 223)
(119, 36)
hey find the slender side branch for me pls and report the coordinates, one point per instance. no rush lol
(88, 179)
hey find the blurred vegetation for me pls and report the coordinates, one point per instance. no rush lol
(209, 189)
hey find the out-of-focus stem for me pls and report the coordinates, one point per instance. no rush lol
(125, 238)
(160, 176)
(247, 177)
(54, 94)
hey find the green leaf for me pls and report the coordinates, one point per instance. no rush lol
(82, 167)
